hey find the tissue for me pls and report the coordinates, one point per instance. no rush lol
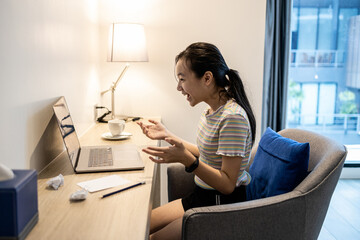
(79, 195)
(5, 173)
(56, 182)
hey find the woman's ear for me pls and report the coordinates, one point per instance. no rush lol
(208, 77)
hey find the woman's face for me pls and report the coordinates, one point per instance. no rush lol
(188, 84)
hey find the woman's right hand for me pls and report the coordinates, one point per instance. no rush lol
(155, 131)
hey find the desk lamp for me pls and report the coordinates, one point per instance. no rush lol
(127, 43)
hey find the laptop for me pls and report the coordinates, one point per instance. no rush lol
(94, 158)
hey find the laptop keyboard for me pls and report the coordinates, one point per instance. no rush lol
(100, 157)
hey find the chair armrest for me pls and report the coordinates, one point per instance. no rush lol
(248, 220)
(180, 183)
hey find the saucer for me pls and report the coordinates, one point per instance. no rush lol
(123, 135)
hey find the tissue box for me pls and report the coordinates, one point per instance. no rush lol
(18, 205)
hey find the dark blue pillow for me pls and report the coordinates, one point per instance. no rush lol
(279, 165)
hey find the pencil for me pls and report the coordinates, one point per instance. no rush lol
(123, 189)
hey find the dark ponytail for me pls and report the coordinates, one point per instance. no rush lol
(201, 57)
(236, 91)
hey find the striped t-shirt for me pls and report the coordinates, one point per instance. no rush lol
(225, 132)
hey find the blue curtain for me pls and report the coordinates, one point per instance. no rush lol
(277, 48)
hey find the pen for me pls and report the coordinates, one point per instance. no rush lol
(123, 189)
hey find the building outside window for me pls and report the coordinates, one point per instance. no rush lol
(324, 74)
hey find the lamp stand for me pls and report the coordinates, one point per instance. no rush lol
(112, 103)
(113, 88)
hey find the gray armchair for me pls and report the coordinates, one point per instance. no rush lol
(298, 214)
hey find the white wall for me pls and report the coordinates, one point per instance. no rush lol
(237, 27)
(48, 49)
(53, 48)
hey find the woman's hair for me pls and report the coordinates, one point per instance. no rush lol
(201, 57)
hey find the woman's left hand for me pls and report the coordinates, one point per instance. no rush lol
(176, 152)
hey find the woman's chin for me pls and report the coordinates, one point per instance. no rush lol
(193, 103)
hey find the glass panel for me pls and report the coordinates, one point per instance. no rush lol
(324, 74)
(306, 39)
(295, 97)
(325, 30)
(294, 21)
(307, 28)
(327, 99)
(309, 104)
(294, 32)
(344, 17)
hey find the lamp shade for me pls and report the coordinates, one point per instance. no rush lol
(127, 43)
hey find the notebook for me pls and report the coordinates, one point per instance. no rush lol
(94, 158)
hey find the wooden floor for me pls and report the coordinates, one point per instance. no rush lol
(342, 221)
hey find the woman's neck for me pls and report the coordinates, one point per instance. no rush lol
(216, 102)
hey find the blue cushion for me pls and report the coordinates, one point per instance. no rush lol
(279, 165)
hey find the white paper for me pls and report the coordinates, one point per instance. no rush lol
(103, 183)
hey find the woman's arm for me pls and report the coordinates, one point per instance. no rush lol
(223, 180)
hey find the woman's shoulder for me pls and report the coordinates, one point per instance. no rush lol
(234, 114)
(233, 110)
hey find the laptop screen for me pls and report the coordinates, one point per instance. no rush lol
(67, 130)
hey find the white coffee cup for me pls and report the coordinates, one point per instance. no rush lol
(116, 126)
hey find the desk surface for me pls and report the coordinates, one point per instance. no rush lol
(121, 216)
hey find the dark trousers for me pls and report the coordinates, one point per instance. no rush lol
(202, 197)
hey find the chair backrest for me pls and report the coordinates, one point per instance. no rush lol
(326, 156)
(325, 164)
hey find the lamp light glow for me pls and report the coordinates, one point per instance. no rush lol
(127, 43)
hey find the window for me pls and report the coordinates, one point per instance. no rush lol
(324, 71)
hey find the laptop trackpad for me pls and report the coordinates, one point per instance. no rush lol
(125, 152)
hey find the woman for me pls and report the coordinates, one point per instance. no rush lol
(225, 136)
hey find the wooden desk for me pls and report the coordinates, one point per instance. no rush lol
(121, 216)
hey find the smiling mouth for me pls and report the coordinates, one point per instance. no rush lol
(187, 96)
